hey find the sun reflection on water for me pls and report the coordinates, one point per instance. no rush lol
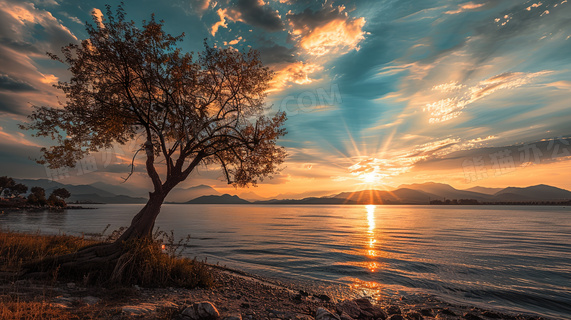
(371, 252)
(370, 288)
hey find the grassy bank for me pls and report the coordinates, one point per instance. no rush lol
(153, 263)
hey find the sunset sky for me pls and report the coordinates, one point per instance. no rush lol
(378, 93)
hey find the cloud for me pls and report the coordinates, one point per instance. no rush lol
(277, 54)
(256, 13)
(7, 83)
(197, 7)
(221, 23)
(298, 72)
(451, 107)
(21, 17)
(329, 30)
(233, 42)
(72, 18)
(98, 17)
(466, 7)
(535, 5)
(394, 163)
(32, 32)
(19, 139)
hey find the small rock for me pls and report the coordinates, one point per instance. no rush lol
(323, 297)
(202, 311)
(90, 300)
(303, 293)
(245, 305)
(349, 307)
(64, 302)
(426, 312)
(471, 316)
(71, 285)
(447, 312)
(393, 310)
(324, 314)
(368, 310)
(490, 314)
(233, 317)
(396, 317)
(138, 310)
(413, 315)
(345, 316)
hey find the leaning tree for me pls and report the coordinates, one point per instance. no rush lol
(129, 83)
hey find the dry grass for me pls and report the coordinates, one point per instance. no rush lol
(17, 248)
(145, 263)
(151, 263)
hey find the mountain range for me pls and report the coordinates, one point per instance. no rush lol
(404, 194)
(414, 194)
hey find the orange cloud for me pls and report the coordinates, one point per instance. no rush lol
(298, 72)
(18, 138)
(451, 107)
(330, 30)
(98, 15)
(27, 13)
(465, 7)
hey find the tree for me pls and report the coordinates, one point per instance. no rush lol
(37, 196)
(58, 196)
(135, 83)
(6, 183)
(15, 190)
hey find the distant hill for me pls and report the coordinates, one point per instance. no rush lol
(100, 192)
(484, 190)
(442, 191)
(180, 195)
(122, 189)
(401, 195)
(251, 196)
(82, 193)
(310, 200)
(49, 186)
(95, 198)
(540, 192)
(222, 199)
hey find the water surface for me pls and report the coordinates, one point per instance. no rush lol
(515, 259)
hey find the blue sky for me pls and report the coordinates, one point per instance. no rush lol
(378, 93)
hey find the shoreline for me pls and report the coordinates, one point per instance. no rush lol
(235, 293)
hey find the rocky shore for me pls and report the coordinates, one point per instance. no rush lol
(235, 296)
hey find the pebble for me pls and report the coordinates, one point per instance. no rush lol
(324, 314)
(350, 308)
(138, 310)
(202, 311)
(323, 297)
(393, 310)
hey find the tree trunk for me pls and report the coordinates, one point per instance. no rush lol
(104, 255)
(143, 223)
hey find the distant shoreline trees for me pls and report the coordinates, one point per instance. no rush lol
(13, 195)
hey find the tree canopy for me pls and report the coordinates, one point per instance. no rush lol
(190, 109)
(130, 83)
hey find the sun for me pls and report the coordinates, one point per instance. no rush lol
(369, 177)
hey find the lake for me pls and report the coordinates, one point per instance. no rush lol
(510, 258)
